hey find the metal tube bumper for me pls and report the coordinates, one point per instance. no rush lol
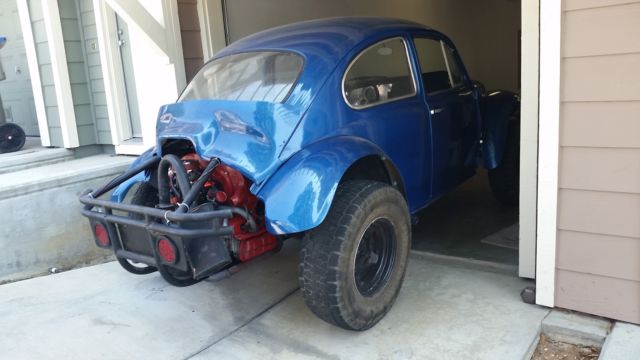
(151, 214)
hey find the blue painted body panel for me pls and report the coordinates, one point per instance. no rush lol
(497, 109)
(311, 176)
(295, 153)
(120, 192)
(246, 135)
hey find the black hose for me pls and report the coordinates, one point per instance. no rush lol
(191, 192)
(163, 180)
(244, 213)
(197, 186)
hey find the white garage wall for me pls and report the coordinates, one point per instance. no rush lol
(485, 31)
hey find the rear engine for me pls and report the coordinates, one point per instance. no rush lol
(227, 187)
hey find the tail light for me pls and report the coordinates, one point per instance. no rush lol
(167, 250)
(102, 235)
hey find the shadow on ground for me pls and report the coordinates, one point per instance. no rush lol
(456, 223)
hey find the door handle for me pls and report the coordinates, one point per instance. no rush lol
(436, 111)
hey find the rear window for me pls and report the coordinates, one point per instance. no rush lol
(253, 76)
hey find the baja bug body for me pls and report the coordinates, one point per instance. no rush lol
(334, 130)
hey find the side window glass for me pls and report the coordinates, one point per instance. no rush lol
(454, 69)
(381, 73)
(440, 71)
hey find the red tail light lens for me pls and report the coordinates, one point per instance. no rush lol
(102, 236)
(167, 250)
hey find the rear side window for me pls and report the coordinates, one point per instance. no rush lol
(252, 76)
(440, 70)
(379, 74)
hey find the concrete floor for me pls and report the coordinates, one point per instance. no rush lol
(456, 224)
(446, 310)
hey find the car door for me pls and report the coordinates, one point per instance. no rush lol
(449, 96)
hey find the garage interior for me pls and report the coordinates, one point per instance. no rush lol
(468, 222)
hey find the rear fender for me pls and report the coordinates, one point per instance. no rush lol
(298, 196)
(497, 110)
(120, 192)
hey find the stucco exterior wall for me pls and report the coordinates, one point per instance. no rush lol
(598, 240)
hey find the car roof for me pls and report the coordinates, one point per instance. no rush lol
(323, 43)
(329, 39)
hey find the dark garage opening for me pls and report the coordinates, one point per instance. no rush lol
(470, 223)
(467, 222)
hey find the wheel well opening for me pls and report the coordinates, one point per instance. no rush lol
(374, 168)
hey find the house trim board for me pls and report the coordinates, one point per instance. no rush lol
(548, 150)
(64, 99)
(34, 71)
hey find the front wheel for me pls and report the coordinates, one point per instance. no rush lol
(353, 264)
(504, 180)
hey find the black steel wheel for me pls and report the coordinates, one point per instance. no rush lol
(374, 257)
(352, 266)
(12, 138)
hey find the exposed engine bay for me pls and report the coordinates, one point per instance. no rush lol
(189, 218)
(226, 187)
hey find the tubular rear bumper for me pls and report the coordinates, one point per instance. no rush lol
(199, 237)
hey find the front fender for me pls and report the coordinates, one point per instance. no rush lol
(298, 196)
(497, 110)
(120, 192)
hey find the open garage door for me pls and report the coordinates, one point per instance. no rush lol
(469, 222)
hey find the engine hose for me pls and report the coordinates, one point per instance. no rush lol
(197, 186)
(245, 214)
(163, 180)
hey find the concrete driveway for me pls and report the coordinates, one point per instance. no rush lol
(446, 310)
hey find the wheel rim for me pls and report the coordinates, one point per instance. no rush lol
(11, 138)
(375, 257)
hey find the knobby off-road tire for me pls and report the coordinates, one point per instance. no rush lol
(504, 180)
(353, 264)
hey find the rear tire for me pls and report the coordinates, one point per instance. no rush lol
(352, 266)
(504, 180)
(147, 195)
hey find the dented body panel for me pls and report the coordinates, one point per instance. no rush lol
(296, 153)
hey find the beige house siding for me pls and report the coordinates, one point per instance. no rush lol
(598, 243)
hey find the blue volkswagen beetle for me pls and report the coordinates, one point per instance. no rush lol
(334, 131)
